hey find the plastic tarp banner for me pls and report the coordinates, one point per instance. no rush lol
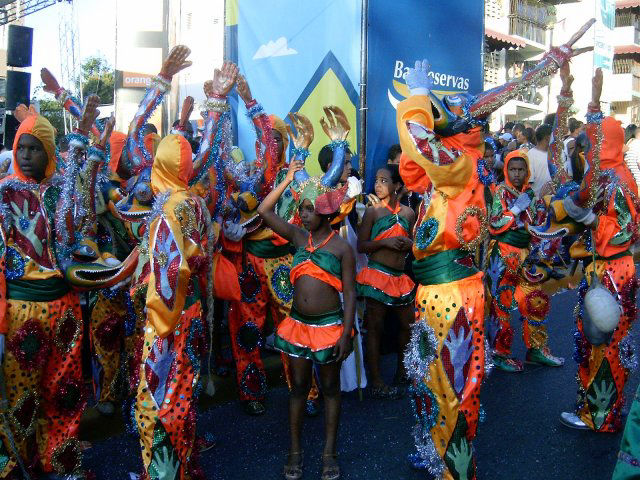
(449, 34)
(297, 57)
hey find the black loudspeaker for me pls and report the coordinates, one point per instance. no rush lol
(11, 125)
(18, 89)
(19, 46)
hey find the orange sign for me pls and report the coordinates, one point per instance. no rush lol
(136, 80)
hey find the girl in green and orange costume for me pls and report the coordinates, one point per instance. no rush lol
(385, 235)
(319, 328)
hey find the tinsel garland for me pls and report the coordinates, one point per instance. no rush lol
(65, 210)
(152, 98)
(483, 231)
(486, 179)
(421, 351)
(300, 153)
(428, 452)
(488, 358)
(540, 310)
(339, 143)
(627, 353)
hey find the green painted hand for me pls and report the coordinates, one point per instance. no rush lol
(461, 458)
(602, 399)
(166, 465)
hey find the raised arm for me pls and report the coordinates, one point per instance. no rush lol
(266, 210)
(216, 91)
(561, 129)
(69, 103)
(160, 85)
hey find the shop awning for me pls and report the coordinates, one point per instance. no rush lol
(498, 41)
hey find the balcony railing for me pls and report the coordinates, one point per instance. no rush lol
(528, 20)
(625, 66)
(627, 19)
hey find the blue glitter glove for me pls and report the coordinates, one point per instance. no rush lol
(418, 79)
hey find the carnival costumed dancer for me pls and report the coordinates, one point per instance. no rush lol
(41, 318)
(508, 276)
(385, 234)
(319, 329)
(446, 356)
(263, 261)
(606, 208)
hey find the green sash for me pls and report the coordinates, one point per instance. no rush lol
(37, 290)
(266, 249)
(516, 238)
(443, 268)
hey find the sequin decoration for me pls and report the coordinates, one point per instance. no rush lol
(426, 233)
(187, 218)
(30, 345)
(281, 284)
(24, 415)
(69, 396)
(424, 405)
(67, 458)
(253, 382)
(15, 264)
(482, 228)
(67, 330)
(109, 332)
(166, 260)
(249, 337)
(537, 303)
(500, 290)
(249, 284)
(421, 351)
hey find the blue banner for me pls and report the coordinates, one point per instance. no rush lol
(297, 57)
(449, 34)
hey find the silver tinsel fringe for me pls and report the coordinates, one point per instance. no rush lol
(421, 351)
(627, 353)
(428, 452)
(488, 358)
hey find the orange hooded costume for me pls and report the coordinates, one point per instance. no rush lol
(38, 310)
(174, 333)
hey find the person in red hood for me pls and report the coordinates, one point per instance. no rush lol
(606, 208)
(512, 210)
(40, 317)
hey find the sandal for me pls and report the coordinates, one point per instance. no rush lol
(293, 472)
(330, 472)
(385, 392)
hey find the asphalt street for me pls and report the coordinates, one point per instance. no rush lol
(520, 438)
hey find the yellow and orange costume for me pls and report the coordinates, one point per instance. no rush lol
(42, 322)
(174, 340)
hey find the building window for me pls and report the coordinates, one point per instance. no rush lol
(529, 19)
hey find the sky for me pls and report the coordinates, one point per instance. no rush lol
(96, 29)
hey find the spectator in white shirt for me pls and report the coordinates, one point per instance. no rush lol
(538, 159)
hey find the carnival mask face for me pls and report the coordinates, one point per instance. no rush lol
(138, 200)
(31, 157)
(448, 114)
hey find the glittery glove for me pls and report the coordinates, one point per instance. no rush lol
(579, 214)
(521, 204)
(354, 187)
(417, 78)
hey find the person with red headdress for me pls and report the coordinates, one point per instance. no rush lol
(319, 328)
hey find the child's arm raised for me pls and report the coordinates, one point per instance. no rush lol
(272, 220)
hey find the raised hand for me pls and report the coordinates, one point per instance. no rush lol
(461, 458)
(242, 87)
(175, 62)
(89, 114)
(223, 80)
(460, 349)
(26, 225)
(566, 77)
(185, 113)
(418, 79)
(166, 465)
(304, 130)
(51, 85)
(294, 166)
(596, 86)
(106, 132)
(336, 125)
(602, 399)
